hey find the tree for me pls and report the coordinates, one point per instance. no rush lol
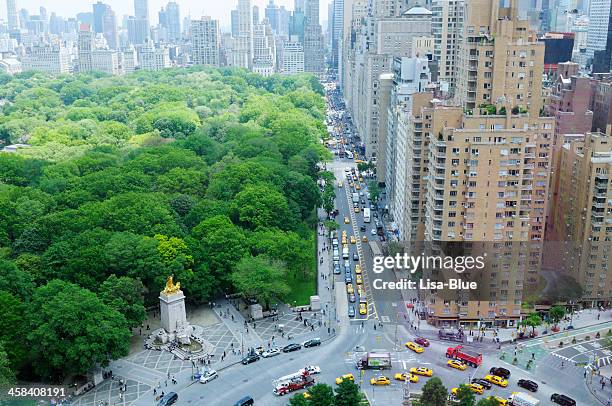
(7, 376)
(329, 195)
(556, 314)
(533, 320)
(347, 394)
(263, 206)
(465, 396)
(71, 331)
(13, 329)
(321, 395)
(260, 278)
(374, 190)
(125, 295)
(331, 225)
(298, 400)
(490, 401)
(434, 393)
(15, 280)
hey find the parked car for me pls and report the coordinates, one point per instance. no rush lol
(312, 343)
(562, 400)
(209, 376)
(312, 369)
(169, 399)
(503, 372)
(292, 347)
(351, 311)
(337, 269)
(271, 352)
(527, 384)
(249, 359)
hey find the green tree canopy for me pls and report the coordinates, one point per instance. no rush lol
(126, 296)
(260, 278)
(434, 393)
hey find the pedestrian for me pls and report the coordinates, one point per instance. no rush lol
(603, 384)
(148, 328)
(374, 326)
(154, 391)
(533, 355)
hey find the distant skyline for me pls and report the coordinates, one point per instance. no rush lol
(217, 9)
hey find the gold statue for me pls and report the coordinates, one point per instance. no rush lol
(171, 287)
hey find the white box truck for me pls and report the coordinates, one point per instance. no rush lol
(523, 399)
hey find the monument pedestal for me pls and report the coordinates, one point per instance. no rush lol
(172, 310)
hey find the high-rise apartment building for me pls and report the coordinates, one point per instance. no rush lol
(105, 23)
(292, 57)
(336, 28)
(53, 59)
(264, 50)
(152, 58)
(447, 30)
(243, 51)
(170, 19)
(581, 212)
(205, 41)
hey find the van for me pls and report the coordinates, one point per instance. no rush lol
(336, 255)
(345, 253)
(245, 401)
(168, 399)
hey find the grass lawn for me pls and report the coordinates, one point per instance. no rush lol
(301, 289)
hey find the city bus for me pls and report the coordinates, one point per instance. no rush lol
(366, 215)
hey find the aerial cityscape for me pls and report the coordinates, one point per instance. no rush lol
(306, 203)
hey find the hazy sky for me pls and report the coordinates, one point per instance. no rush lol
(218, 9)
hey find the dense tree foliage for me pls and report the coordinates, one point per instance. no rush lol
(209, 175)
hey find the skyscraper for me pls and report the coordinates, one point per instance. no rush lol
(140, 24)
(173, 20)
(205, 41)
(273, 15)
(336, 27)
(141, 9)
(235, 23)
(599, 16)
(105, 23)
(255, 15)
(12, 16)
(447, 29)
(243, 54)
(314, 44)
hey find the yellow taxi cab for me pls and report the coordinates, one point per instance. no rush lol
(358, 186)
(361, 179)
(357, 210)
(500, 401)
(353, 239)
(344, 233)
(364, 238)
(402, 377)
(474, 387)
(380, 380)
(359, 279)
(363, 308)
(348, 377)
(414, 347)
(347, 220)
(421, 371)
(360, 290)
(357, 269)
(351, 184)
(344, 240)
(497, 380)
(453, 363)
(307, 395)
(349, 288)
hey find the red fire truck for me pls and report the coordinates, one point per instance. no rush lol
(293, 382)
(459, 354)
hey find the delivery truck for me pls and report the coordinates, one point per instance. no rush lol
(523, 399)
(375, 360)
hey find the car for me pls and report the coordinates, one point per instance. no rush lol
(337, 269)
(373, 232)
(421, 371)
(340, 183)
(245, 401)
(292, 347)
(208, 376)
(353, 239)
(527, 384)
(453, 363)
(349, 288)
(312, 369)
(496, 380)
(500, 401)
(562, 400)
(422, 341)
(362, 228)
(352, 298)
(474, 387)
(357, 269)
(380, 380)
(348, 279)
(402, 377)
(312, 343)
(355, 256)
(272, 352)
(360, 290)
(364, 238)
(169, 399)
(351, 311)
(358, 186)
(249, 359)
(503, 372)
(348, 377)
(352, 185)
(357, 209)
(347, 220)
(485, 384)
(363, 308)
(359, 279)
(414, 347)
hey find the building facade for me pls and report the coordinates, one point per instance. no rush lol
(205, 41)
